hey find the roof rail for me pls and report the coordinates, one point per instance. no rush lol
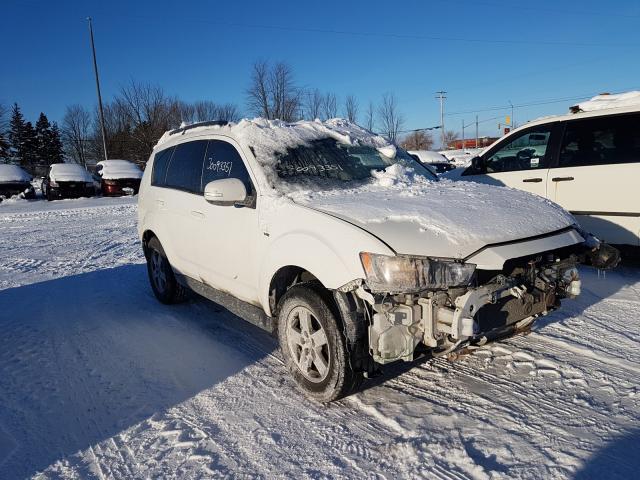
(211, 123)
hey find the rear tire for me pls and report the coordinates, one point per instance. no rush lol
(313, 344)
(163, 282)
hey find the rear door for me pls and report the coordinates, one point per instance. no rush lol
(519, 161)
(180, 201)
(596, 176)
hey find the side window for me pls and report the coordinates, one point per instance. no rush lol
(185, 168)
(160, 163)
(601, 141)
(527, 151)
(223, 161)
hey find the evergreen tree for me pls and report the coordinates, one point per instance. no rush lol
(56, 152)
(17, 134)
(29, 152)
(4, 149)
(43, 140)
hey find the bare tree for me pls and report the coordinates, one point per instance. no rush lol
(312, 104)
(76, 129)
(389, 117)
(273, 93)
(330, 105)
(351, 108)
(228, 112)
(448, 137)
(144, 112)
(258, 95)
(369, 116)
(419, 140)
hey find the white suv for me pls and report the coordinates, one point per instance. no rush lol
(587, 161)
(347, 247)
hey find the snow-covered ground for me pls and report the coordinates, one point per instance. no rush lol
(98, 380)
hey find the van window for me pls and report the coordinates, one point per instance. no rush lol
(601, 141)
(185, 168)
(223, 161)
(160, 162)
(527, 151)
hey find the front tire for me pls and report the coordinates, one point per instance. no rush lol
(313, 344)
(163, 282)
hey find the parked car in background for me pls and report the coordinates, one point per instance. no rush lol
(433, 160)
(67, 180)
(118, 177)
(348, 248)
(588, 162)
(15, 181)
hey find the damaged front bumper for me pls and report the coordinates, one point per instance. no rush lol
(445, 319)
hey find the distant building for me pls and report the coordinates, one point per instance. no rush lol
(471, 143)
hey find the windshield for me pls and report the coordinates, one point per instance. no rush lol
(329, 159)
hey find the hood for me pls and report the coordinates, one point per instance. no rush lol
(64, 172)
(442, 219)
(118, 174)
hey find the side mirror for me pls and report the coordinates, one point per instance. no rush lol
(226, 191)
(477, 164)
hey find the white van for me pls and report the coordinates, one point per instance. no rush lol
(587, 161)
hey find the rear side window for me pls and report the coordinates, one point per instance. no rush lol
(185, 168)
(601, 141)
(223, 161)
(160, 163)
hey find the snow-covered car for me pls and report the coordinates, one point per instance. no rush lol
(347, 247)
(438, 162)
(15, 181)
(587, 161)
(118, 177)
(67, 180)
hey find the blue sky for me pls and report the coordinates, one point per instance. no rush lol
(484, 53)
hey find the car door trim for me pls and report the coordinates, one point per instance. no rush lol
(607, 214)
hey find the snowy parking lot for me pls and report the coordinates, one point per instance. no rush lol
(99, 380)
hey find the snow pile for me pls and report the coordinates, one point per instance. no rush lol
(395, 174)
(69, 172)
(117, 169)
(604, 101)
(13, 173)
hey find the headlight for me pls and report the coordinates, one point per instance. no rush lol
(412, 274)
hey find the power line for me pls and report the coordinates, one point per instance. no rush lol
(398, 35)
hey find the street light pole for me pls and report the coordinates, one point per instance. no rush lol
(100, 110)
(442, 98)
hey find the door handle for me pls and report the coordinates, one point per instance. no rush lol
(532, 180)
(197, 214)
(562, 179)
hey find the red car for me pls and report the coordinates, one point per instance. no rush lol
(118, 177)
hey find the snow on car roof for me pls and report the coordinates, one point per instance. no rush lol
(115, 169)
(605, 101)
(13, 173)
(71, 171)
(265, 137)
(429, 156)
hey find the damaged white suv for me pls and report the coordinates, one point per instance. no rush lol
(347, 247)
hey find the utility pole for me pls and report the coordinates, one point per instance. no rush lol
(513, 119)
(463, 134)
(476, 131)
(442, 98)
(100, 110)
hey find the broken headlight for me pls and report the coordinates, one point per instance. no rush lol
(408, 274)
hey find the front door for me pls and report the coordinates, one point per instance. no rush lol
(520, 161)
(229, 234)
